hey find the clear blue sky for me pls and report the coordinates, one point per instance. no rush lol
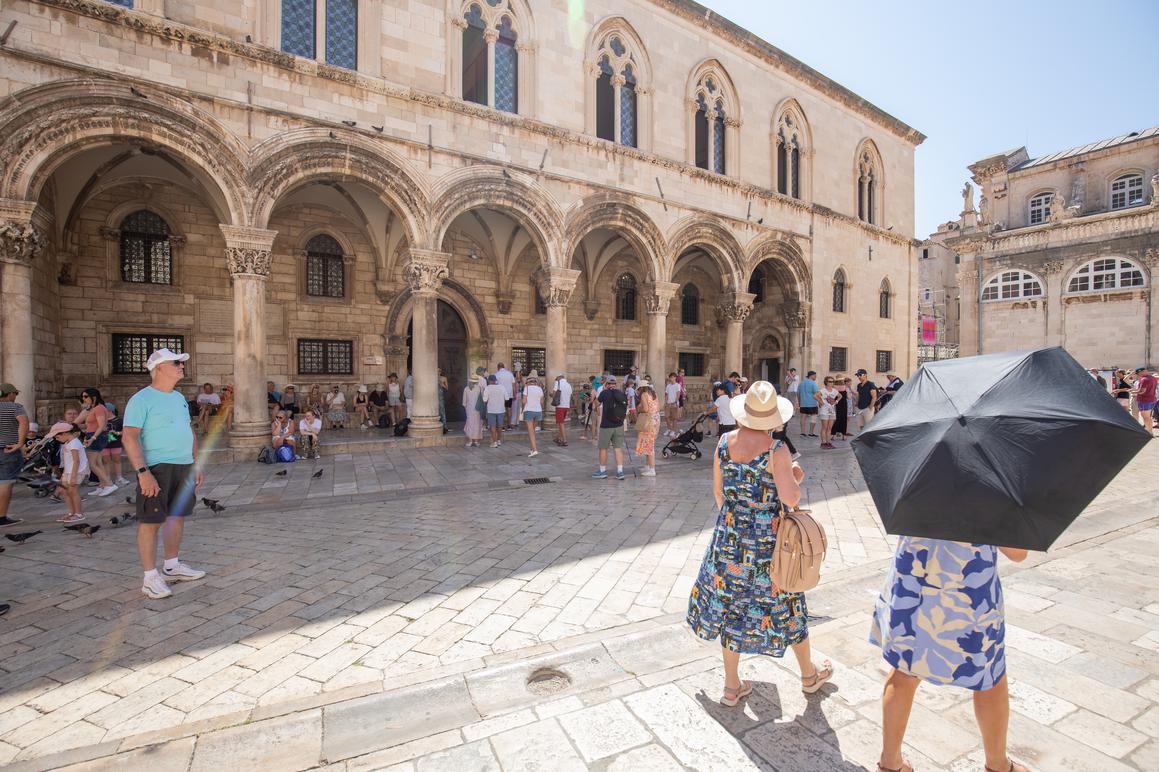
(977, 77)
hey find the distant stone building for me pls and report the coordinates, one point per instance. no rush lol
(328, 191)
(1061, 250)
(938, 304)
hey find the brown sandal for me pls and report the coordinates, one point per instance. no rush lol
(820, 677)
(906, 766)
(1014, 767)
(732, 697)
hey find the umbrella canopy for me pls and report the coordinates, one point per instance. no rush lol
(1004, 449)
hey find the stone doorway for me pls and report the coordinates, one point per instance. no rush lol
(770, 370)
(452, 356)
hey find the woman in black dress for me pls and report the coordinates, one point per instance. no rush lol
(841, 425)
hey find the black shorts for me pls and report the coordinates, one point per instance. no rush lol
(507, 404)
(100, 441)
(175, 499)
(808, 411)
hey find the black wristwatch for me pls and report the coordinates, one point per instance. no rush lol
(142, 469)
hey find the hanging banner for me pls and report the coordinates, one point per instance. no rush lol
(929, 329)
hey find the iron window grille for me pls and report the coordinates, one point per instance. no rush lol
(692, 364)
(131, 350)
(325, 357)
(884, 361)
(325, 268)
(530, 359)
(626, 297)
(146, 253)
(619, 362)
(838, 359)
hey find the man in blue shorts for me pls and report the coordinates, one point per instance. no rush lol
(161, 447)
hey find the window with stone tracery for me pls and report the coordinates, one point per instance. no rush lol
(327, 25)
(790, 141)
(885, 300)
(869, 185)
(490, 63)
(712, 121)
(839, 288)
(1106, 274)
(626, 297)
(616, 97)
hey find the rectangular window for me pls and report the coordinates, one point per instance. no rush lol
(131, 350)
(298, 27)
(325, 357)
(619, 362)
(628, 115)
(884, 361)
(325, 276)
(506, 75)
(540, 306)
(838, 359)
(926, 254)
(528, 359)
(692, 364)
(342, 33)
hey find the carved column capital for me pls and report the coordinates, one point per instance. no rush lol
(967, 277)
(491, 36)
(1052, 266)
(248, 250)
(426, 270)
(795, 315)
(458, 22)
(555, 285)
(658, 296)
(20, 240)
(737, 307)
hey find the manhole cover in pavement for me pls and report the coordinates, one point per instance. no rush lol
(547, 681)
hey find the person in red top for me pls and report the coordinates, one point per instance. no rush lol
(1144, 391)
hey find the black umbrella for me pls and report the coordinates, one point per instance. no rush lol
(1003, 449)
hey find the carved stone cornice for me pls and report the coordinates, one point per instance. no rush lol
(658, 297)
(555, 285)
(1052, 266)
(795, 315)
(426, 270)
(20, 240)
(737, 307)
(505, 299)
(248, 250)
(591, 308)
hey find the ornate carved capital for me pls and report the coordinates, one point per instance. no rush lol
(1052, 266)
(491, 36)
(967, 277)
(1151, 257)
(505, 298)
(591, 308)
(426, 270)
(658, 296)
(248, 250)
(618, 80)
(795, 315)
(737, 307)
(458, 22)
(555, 285)
(20, 240)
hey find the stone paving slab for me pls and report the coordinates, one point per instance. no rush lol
(308, 607)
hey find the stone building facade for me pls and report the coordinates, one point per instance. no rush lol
(328, 191)
(939, 307)
(1062, 250)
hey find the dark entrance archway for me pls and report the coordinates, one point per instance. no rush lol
(452, 357)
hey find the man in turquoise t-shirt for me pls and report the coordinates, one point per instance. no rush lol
(161, 446)
(808, 396)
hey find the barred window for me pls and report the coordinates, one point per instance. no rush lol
(325, 357)
(884, 361)
(474, 57)
(626, 297)
(146, 254)
(884, 299)
(342, 33)
(530, 359)
(690, 305)
(1105, 274)
(838, 359)
(325, 268)
(506, 69)
(691, 363)
(132, 350)
(839, 292)
(619, 362)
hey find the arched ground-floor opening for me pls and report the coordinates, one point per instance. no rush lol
(452, 357)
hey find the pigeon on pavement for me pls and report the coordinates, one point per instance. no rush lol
(213, 505)
(281, 473)
(89, 530)
(317, 474)
(20, 538)
(76, 527)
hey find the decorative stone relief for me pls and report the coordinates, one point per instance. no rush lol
(591, 308)
(1052, 266)
(426, 271)
(967, 277)
(248, 250)
(20, 242)
(658, 297)
(385, 292)
(555, 285)
(1155, 190)
(505, 299)
(736, 308)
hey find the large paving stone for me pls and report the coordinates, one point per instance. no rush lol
(380, 721)
(604, 730)
(287, 742)
(680, 723)
(539, 747)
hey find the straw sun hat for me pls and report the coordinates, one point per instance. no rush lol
(760, 408)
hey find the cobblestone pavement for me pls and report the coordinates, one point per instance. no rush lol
(391, 611)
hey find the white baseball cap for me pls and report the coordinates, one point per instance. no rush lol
(164, 355)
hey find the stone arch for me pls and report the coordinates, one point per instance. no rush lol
(867, 160)
(314, 155)
(790, 127)
(616, 213)
(713, 68)
(474, 187)
(787, 261)
(47, 125)
(716, 240)
(455, 294)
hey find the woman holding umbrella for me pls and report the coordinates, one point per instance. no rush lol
(733, 597)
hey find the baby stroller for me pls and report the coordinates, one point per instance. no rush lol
(36, 472)
(684, 444)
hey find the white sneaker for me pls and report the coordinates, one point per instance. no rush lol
(494, 444)
(533, 454)
(121, 481)
(648, 473)
(182, 573)
(154, 587)
(105, 491)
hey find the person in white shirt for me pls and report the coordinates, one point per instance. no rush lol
(75, 468)
(630, 392)
(506, 380)
(308, 429)
(207, 403)
(561, 409)
(827, 411)
(532, 408)
(672, 404)
(792, 386)
(723, 413)
(496, 400)
(408, 394)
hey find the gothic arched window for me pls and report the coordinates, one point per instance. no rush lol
(690, 305)
(626, 297)
(325, 268)
(490, 55)
(616, 98)
(790, 139)
(713, 118)
(146, 254)
(884, 300)
(839, 288)
(869, 184)
(300, 30)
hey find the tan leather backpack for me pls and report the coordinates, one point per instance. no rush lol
(800, 549)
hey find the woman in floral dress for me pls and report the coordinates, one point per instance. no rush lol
(733, 597)
(647, 426)
(940, 619)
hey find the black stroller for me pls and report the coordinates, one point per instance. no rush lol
(684, 444)
(36, 472)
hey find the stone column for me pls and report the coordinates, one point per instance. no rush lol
(735, 310)
(1054, 315)
(248, 257)
(555, 286)
(657, 299)
(424, 275)
(20, 244)
(967, 279)
(1151, 260)
(796, 318)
